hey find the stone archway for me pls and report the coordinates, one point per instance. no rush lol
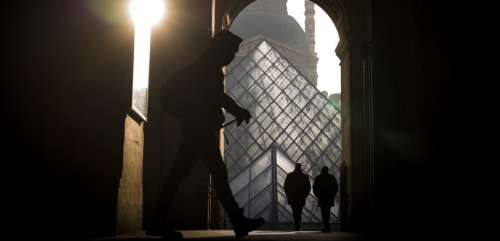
(353, 21)
(354, 52)
(334, 9)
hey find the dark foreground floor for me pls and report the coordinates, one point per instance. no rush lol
(260, 235)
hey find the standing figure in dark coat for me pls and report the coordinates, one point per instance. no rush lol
(297, 187)
(195, 95)
(325, 188)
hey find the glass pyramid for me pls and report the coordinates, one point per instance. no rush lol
(291, 117)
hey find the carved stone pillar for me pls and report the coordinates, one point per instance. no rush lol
(357, 128)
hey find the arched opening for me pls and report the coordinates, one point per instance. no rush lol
(275, 76)
(355, 66)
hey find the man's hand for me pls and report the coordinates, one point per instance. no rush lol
(242, 115)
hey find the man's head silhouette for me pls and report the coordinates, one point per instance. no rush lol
(298, 167)
(223, 47)
(324, 170)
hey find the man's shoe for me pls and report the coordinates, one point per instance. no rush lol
(245, 225)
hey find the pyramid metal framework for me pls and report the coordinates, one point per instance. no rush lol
(292, 122)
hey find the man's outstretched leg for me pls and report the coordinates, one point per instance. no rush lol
(325, 215)
(213, 161)
(183, 164)
(297, 216)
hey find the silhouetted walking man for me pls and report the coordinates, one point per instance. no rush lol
(196, 96)
(325, 188)
(297, 187)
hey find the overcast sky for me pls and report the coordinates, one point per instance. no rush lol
(326, 41)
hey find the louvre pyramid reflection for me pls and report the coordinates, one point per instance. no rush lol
(292, 122)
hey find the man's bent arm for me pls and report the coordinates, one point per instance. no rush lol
(229, 104)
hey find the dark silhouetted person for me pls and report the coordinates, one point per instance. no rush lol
(297, 187)
(196, 96)
(325, 188)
